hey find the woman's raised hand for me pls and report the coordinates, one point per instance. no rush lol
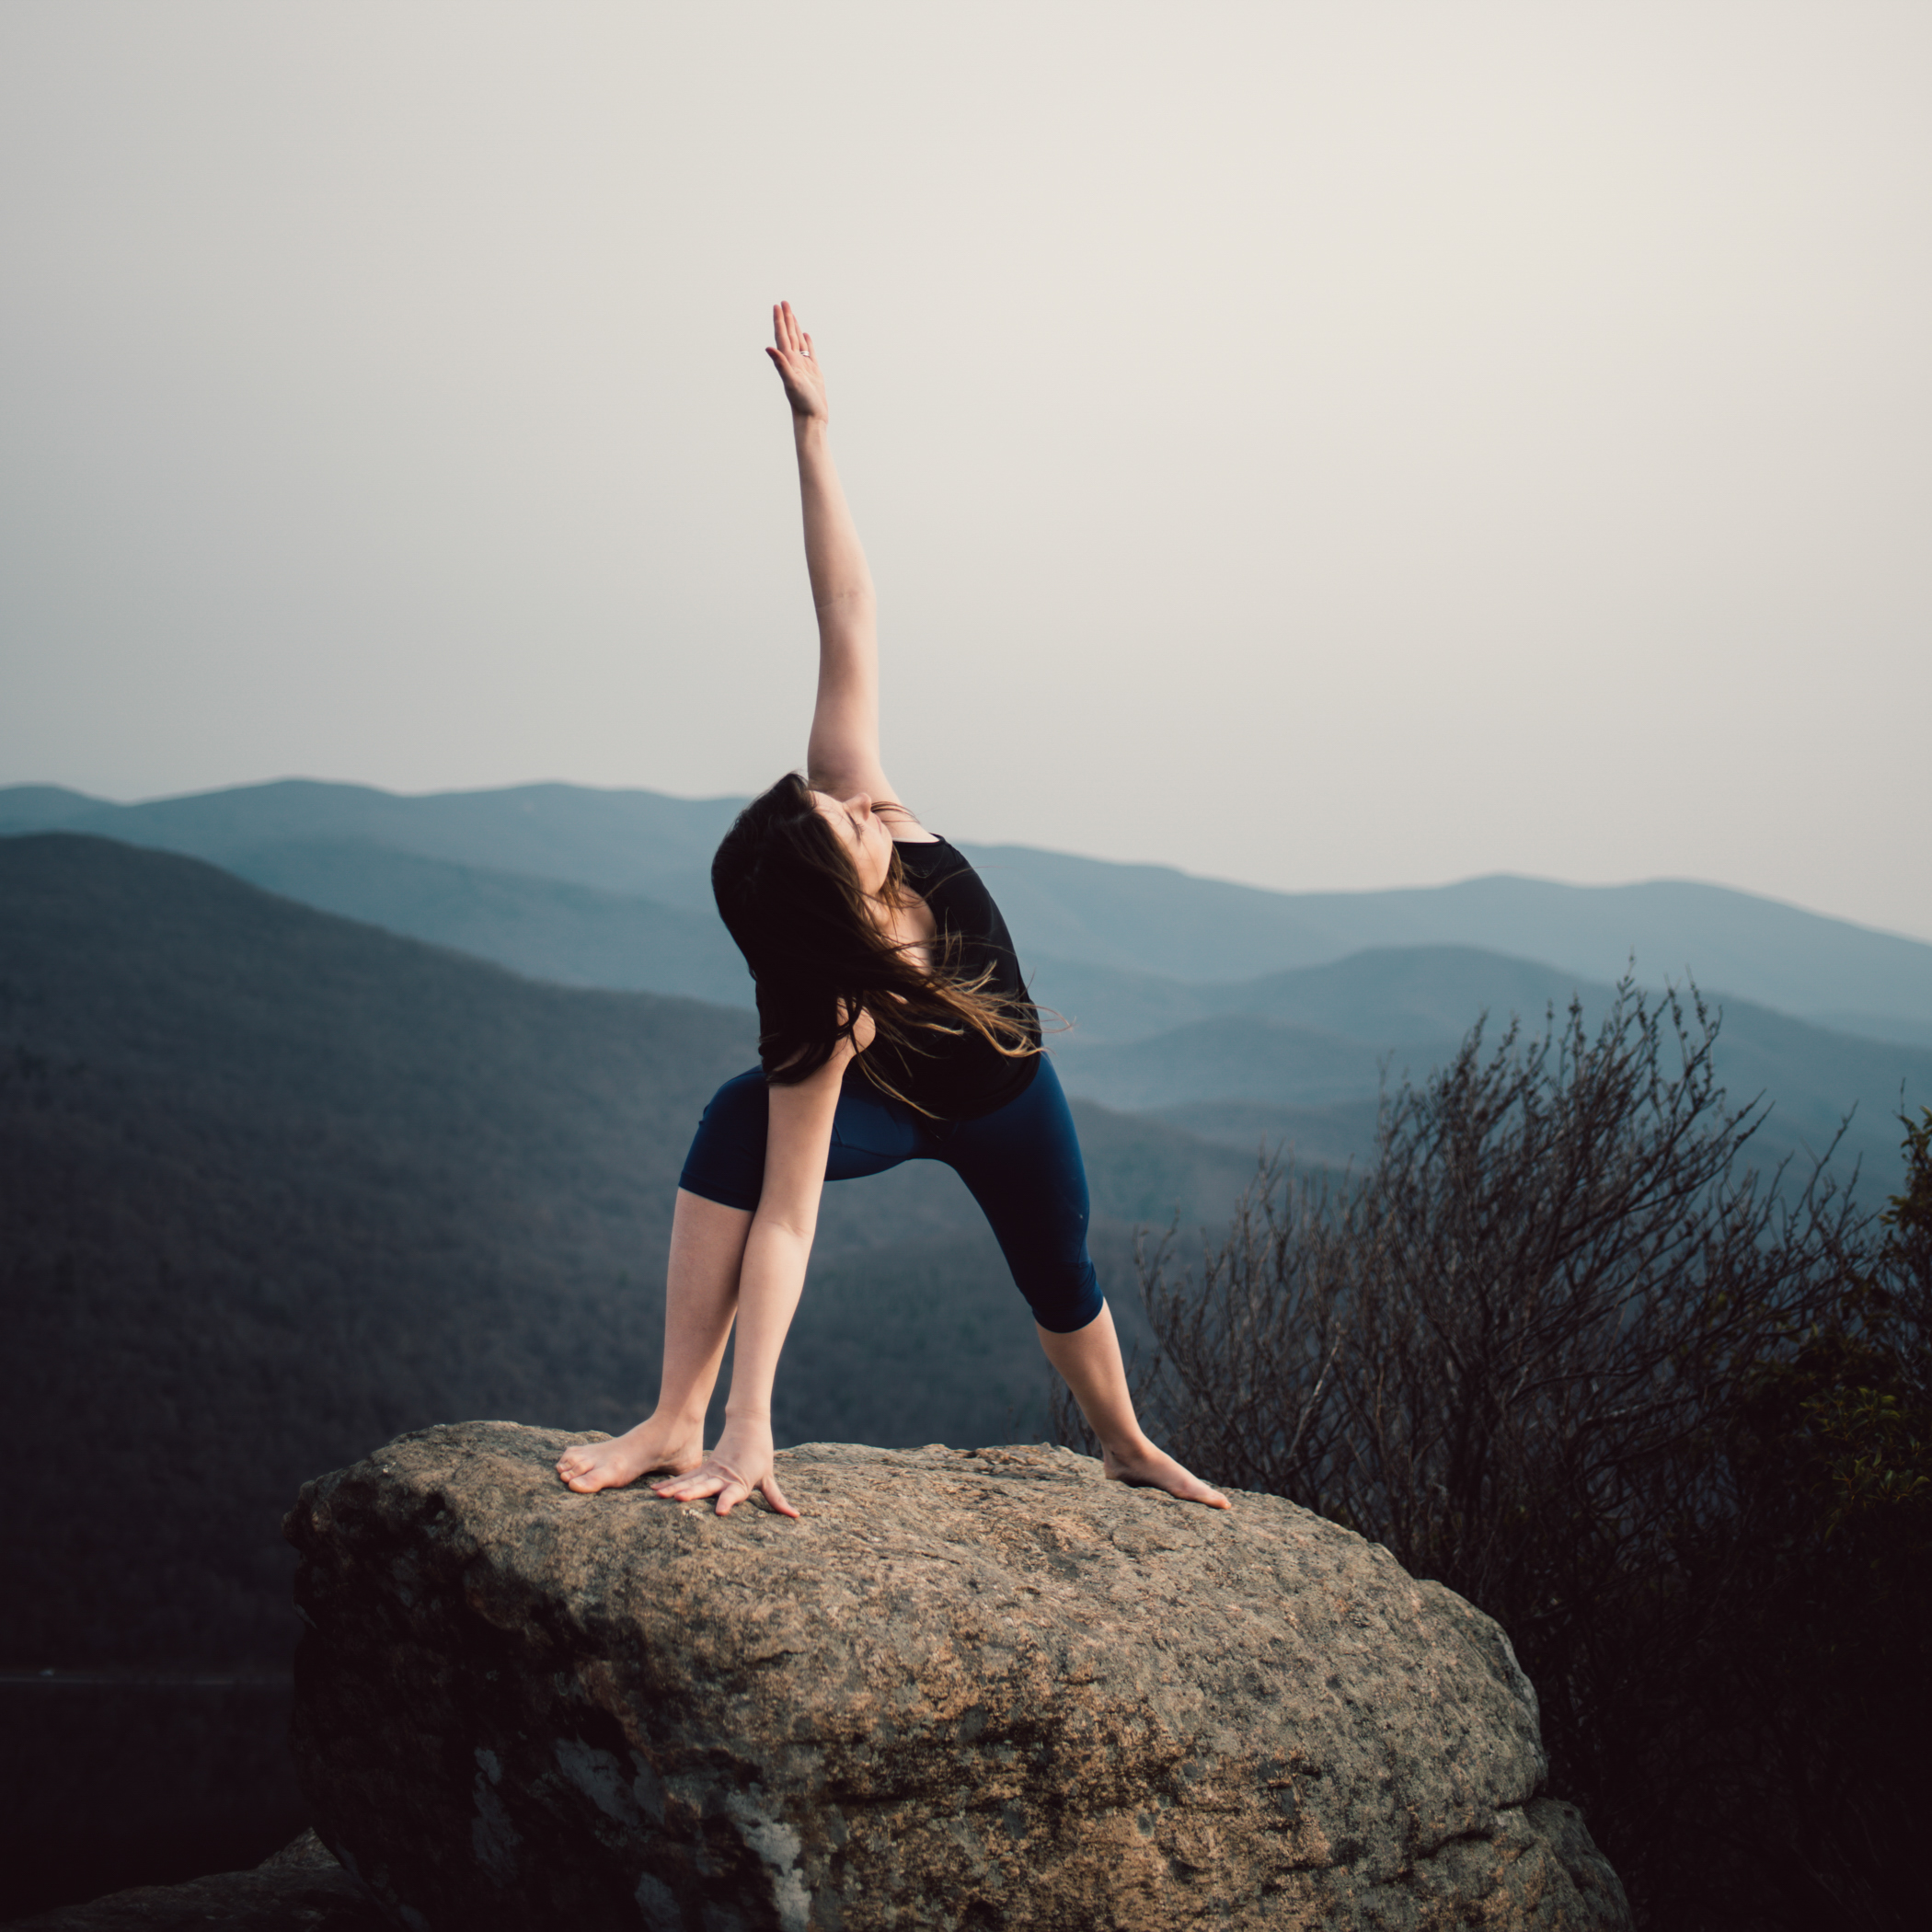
(739, 1467)
(798, 367)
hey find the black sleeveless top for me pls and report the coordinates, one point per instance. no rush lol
(959, 1077)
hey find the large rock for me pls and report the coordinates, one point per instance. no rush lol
(984, 1689)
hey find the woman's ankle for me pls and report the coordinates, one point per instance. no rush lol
(676, 1418)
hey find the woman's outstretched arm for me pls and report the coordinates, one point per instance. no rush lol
(771, 1278)
(841, 756)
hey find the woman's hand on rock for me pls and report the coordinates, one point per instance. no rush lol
(740, 1466)
(798, 367)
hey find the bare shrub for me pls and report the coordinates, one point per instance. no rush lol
(1527, 1350)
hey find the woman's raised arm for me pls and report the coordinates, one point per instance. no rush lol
(841, 756)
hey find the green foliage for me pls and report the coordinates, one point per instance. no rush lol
(1908, 1219)
(1845, 1405)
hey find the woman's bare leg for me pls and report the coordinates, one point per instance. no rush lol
(1089, 1361)
(700, 1300)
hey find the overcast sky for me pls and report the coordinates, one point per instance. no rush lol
(1325, 446)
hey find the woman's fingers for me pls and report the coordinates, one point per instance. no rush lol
(713, 1478)
(707, 1479)
(733, 1490)
(789, 335)
(686, 1489)
(789, 342)
(792, 356)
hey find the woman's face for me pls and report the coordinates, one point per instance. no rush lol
(862, 832)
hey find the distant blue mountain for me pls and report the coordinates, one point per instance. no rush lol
(44, 808)
(1224, 1008)
(1336, 1136)
(1144, 920)
(624, 842)
(543, 928)
(1284, 1055)
(1415, 993)
(1152, 920)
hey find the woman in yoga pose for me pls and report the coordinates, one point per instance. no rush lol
(893, 1025)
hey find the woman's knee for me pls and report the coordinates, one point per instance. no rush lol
(1063, 1298)
(741, 1103)
(726, 1163)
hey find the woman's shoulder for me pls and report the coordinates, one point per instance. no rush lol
(948, 881)
(922, 853)
(929, 856)
(905, 829)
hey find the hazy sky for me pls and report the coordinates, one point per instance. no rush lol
(1326, 445)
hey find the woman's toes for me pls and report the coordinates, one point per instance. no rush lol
(579, 1472)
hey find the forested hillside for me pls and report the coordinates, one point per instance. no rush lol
(275, 1186)
(1252, 1058)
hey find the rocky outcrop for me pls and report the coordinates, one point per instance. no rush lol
(966, 1689)
(300, 1888)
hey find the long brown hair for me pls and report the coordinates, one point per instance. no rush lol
(786, 890)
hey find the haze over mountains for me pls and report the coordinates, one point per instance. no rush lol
(1146, 920)
(1256, 1012)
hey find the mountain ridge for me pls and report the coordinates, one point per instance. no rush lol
(405, 865)
(1312, 1044)
(1100, 912)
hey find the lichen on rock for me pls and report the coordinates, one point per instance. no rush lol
(965, 1689)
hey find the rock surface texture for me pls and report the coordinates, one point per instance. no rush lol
(967, 1689)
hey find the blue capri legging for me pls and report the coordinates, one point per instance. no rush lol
(1021, 1163)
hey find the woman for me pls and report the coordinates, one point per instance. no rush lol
(894, 1026)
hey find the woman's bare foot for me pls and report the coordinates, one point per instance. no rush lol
(1152, 1468)
(591, 1466)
